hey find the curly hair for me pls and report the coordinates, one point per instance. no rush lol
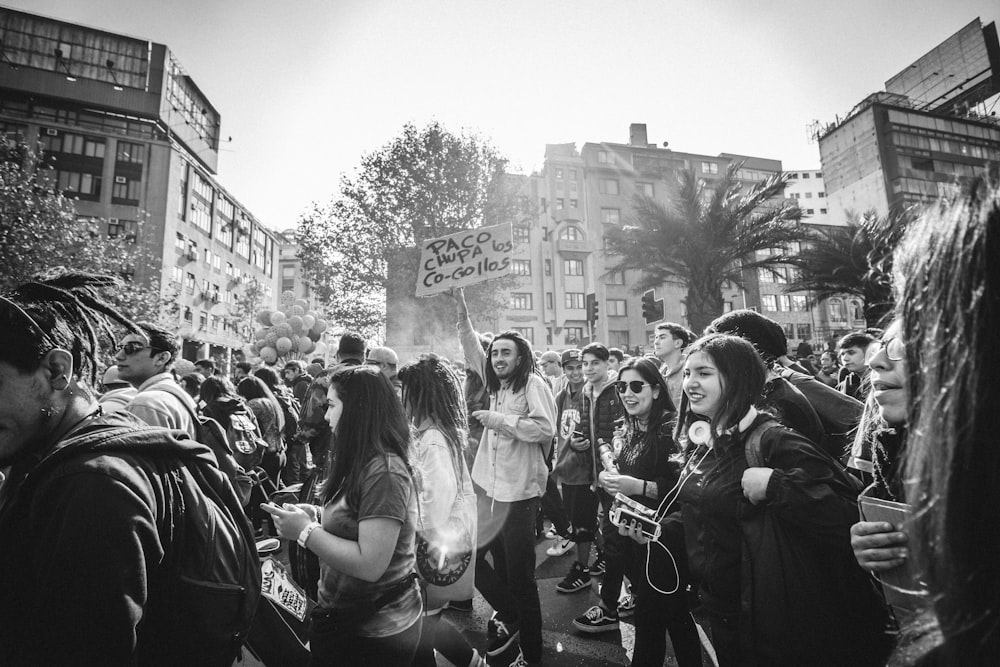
(526, 367)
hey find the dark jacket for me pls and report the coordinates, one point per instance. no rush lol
(793, 409)
(86, 542)
(598, 416)
(571, 466)
(650, 461)
(783, 568)
(301, 386)
(838, 412)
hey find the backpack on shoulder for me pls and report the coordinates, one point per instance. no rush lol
(245, 441)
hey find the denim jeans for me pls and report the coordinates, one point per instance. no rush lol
(614, 556)
(508, 533)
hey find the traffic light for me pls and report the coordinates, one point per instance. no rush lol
(649, 307)
(592, 308)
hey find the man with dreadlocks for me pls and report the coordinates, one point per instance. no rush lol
(510, 475)
(102, 516)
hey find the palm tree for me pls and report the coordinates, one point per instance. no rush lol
(707, 236)
(855, 259)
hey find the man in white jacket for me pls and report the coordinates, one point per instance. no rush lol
(509, 474)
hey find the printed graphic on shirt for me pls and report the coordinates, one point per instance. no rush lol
(570, 419)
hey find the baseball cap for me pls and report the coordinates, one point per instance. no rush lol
(571, 355)
(551, 356)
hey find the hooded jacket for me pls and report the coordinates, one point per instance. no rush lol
(599, 415)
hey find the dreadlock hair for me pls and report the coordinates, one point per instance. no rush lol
(64, 311)
(525, 368)
(431, 392)
(371, 424)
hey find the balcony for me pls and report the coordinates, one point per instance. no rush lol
(565, 246)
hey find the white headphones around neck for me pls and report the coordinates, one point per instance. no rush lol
(700, 432)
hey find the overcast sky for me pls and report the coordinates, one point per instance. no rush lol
(306, 87)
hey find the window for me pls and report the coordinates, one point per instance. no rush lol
(572, 267)
(520, 301)
(180, 243)
(857, 311)
(522, 267)
(805, 174)
(229, 271)
(85, 186)
(573, 187)
(603, 157)
(611, 216)
(573, 335)
(572, 177)
(810, 211)
(201, 203)
(522, 234)
(781, 275)
(616, 278)
(794, 175)
(618, 339)
(822, 211)
(765, 274)
(217, 262)
(527, 332)
(73, 144)
(571, 233)
(559, 173)
(189, 283)
(798, 302)
(574, 203)
(575, 300)
(176, 275)
(124, 228)
(608, 186)
(188, 315)
(804, 331)
(821, 195)
(126, 190)
(836, 310)
(793, 195)
(789, 329)
(550, 301)
(208, 256)
(709, 168)
(645, 188)
(202, 320)
(769, 301)
(784, 303)
(617, 308)
(809, 195)
(560, 204)
(129, 152)
(548, 267)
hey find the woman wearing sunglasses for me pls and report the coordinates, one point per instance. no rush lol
(646, 474)
(768, 539)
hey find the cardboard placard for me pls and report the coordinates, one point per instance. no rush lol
(278, 587)
(902, 586)
(465, 258)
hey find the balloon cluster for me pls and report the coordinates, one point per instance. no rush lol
(289, 333)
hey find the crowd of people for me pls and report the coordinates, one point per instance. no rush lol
(712, 485)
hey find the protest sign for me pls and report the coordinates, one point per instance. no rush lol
(465, 258)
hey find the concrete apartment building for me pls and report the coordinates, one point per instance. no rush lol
(930, 126)
(131, 137)
(561, 257)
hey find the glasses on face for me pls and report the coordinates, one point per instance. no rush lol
(635, 385)
(131, 347)
(894, 349)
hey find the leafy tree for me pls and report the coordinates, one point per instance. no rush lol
(855, 259)
(425, 183)
(708, 234)
(41, 234)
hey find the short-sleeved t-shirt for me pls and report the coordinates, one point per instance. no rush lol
(385, 491)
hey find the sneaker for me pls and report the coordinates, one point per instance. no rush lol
(518, 661)
(598, 566)
(460, 605)
(551, 533)
(596, 620)
(626, 606)
(577, 580)
(507, 633)
(560, 547)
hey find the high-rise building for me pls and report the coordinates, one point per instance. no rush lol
(131, 137)
(931, 126)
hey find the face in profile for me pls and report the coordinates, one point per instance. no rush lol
(887, 359)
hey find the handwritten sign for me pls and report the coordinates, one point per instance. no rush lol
(468, 257)
(278, 587)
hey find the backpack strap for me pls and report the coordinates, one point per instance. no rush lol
(752, 448)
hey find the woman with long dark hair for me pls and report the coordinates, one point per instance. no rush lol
(767, 517)
(369, 607)
(433, 401)
(267, 411)
(658, 575)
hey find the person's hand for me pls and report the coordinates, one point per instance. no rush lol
(482, 415)
(634, 530)
(624, 484)
(288, 519)
(878, 546)
(579, 444)
(755, 483)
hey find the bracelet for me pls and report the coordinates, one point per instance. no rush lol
(318, 511)
(306, 532)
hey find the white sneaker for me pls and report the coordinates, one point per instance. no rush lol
(551, 533)
(560, 547)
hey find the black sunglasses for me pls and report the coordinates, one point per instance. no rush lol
(134, 346)
(635, 385)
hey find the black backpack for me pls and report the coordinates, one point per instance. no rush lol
(211, 582)
(291, 409)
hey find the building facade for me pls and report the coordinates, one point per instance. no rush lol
(131, 138)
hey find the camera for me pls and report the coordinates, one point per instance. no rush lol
(625, 511)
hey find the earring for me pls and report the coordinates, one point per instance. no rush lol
(65, 380)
